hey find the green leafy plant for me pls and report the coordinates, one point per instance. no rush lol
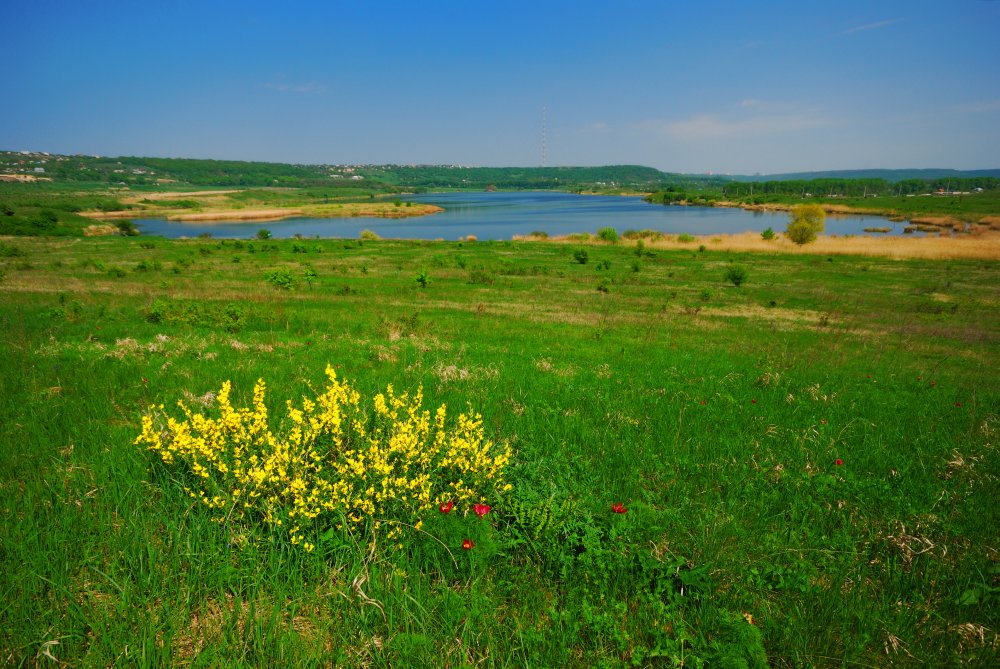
(280, 278)
(608, 234)
(581, 256)
(737, 275)
(805, 223)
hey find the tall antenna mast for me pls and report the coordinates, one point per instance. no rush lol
(545, 157)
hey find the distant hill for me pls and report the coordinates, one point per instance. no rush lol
(169, 172)
(887, 175)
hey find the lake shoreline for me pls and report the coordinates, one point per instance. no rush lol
(346, 210)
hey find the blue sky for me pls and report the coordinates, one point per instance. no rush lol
(724, 87)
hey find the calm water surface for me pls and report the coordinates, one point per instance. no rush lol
(501, 216)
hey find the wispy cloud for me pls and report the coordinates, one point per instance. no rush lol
(755, 119)
(303, 88)
(990, 106)
(870, 26)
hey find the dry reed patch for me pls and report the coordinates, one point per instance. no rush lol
(100, 230)
(237, 215)
(985, 246)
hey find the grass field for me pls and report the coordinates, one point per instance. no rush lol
(808, 461)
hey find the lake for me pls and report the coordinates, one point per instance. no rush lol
(501, 216)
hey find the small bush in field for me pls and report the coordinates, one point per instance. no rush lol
(608, 234)
(737, 275)
(281, 279)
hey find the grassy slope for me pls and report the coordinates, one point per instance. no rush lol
(715, 413)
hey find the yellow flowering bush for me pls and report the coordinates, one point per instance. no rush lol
(336, 463)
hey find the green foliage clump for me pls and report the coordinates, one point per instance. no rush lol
(10, 251)
(608, 234)
(369, 236)
(229, 316)
(263, 234)
(280, 278)
(423, 279)
(737, 275)
(767, 234)
(805, 223)
(127, 228)
(685, 238)
(581, 256)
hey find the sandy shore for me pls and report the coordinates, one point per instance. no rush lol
(351, 210)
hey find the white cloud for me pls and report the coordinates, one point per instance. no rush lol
(304, 88)
(869, 26)
(714, 126)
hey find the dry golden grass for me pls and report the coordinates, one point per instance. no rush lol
(982, 246)
(209, 213)
(238, 215)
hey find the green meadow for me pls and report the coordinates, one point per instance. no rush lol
(807, 462)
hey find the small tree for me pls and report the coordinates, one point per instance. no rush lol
(805, 223)
(263, 233)
(608, 234)
(737, 275)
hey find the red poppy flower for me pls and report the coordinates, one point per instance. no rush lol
(446, 507)
(145, 380)
(753, 401)
(838, 462)
(481, 509)
(619, 507)
(933, 383)
(467, 544)
(958, 404)
(703, 401)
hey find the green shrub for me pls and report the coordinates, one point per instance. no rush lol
(263, 234)
(127, 228)
(767, 234)
(805, 223)
(9, 251)
(581, 256)
(685, 238)
(280, 278)
(423, 279)
(608, 234)
(481, 277)
(369, 236)
(737, 275)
